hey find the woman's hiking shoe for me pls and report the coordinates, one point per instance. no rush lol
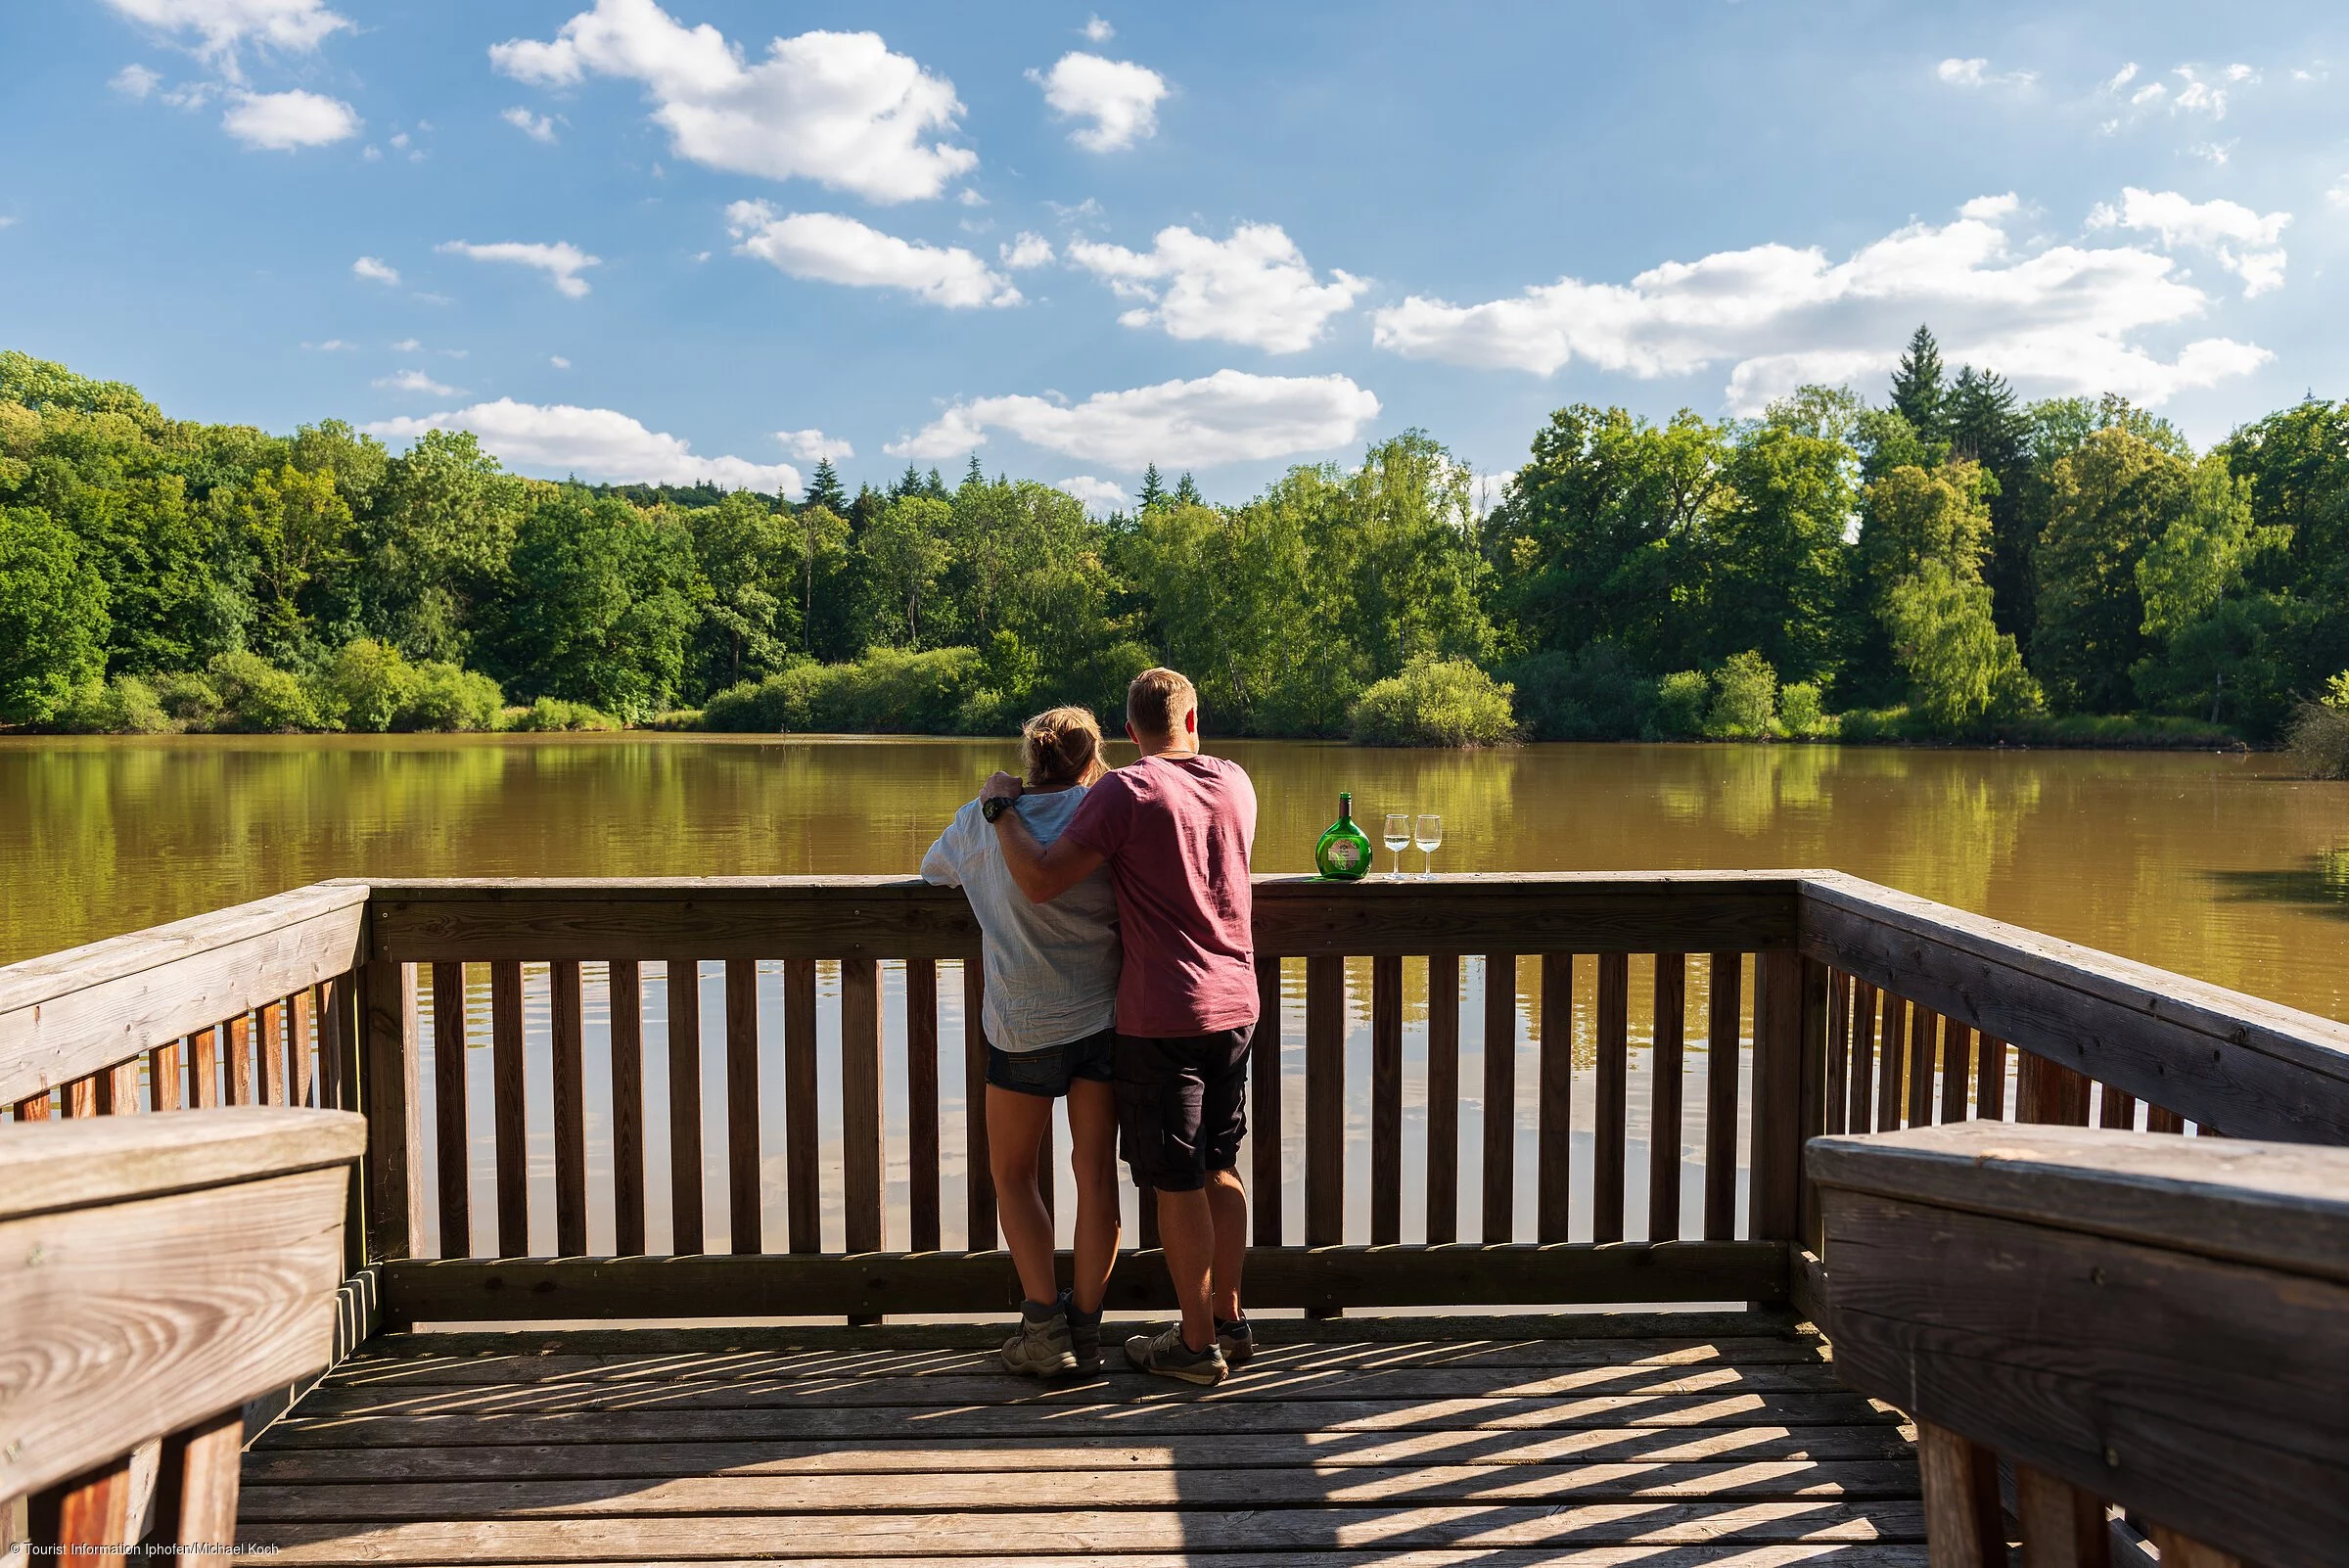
(1084, 1334)
(1235, 1339)
(1169, 1356)
(1042, 1346)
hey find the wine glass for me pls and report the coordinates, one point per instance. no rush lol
(1429, 838)
(1399, 837)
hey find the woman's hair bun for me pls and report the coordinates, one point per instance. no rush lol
(1059, 747)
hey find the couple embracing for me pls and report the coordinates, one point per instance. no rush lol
(1115, 912)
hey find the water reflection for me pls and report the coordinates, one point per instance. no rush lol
(2213, 865)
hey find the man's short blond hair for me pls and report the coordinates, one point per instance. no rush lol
(1157, 700)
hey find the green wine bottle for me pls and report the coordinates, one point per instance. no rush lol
(1344, 853)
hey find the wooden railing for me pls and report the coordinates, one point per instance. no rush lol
(156, 1275)
(2077, 1318)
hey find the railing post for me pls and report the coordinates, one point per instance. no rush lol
(395, 1118)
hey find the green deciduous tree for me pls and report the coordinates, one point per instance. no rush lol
(1960, 667)
(53, 619)
(2113, 496)
(602, 603)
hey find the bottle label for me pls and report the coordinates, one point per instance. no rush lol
(1344, 854)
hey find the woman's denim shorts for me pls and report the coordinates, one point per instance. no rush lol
(1047, 1073)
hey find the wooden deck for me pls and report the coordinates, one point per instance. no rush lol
(1662, 1440)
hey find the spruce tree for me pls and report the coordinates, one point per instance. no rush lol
(1154, 490)
(1918, 395)
(973, 475)
(1186, 493)
(909, 482)
(824, 490)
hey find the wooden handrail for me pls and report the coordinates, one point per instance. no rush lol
(2158, 1322)
(155, 1273)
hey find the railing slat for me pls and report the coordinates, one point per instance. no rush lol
(204, 1069)
(2115, 1108)
(1892, 1055)
(1989, 1080)
(80, 1098)
(453, 1174)
(1859, 1109)
(979, 1177)
(2161, 1119)
(1957, 1068)
(567, 1010)
(1664, 1113)
(240, 1059)
(1266, 1128)
(1786, 1010)
(509, 1087)
(742, 1106)
(860, 1102)
(2049, 1091)
(1442, 1097)
(1500, 1097)
(1324, 1101)
(1613, 1097)
(1962, 1514)
(685, 1206)
(1553, 1158)
(272, 1052)
(624, 980)
(1723, 1002)
(1838, 1066)
(1386, 1099)
(119, 1089)
(298, 1049)
(164, 1082)
(391, 1096)
(921, 1102)
(1922, 1029)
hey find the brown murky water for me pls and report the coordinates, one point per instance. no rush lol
(2221, 867)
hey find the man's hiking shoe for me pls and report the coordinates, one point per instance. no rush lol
(1235, 1339)
(1085, 1335)
(1040, 1348)
(1169, 1356)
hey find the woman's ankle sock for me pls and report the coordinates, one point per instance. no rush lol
(1037, 1311)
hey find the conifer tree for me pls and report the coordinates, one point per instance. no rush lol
(1154, 490)
(1918, 395)
(1186, 493)
(824, 490)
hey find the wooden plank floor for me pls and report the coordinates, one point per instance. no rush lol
(1667, 1441)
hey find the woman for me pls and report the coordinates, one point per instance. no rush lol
(1051, 1002)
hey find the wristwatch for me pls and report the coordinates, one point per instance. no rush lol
(996, 807)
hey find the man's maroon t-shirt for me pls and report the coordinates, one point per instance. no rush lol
(1175, 832)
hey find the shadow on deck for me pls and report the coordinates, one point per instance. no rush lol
(1662, 1440)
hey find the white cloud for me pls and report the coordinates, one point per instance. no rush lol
(2338, 192)
(134, 81)
(558, 361)
(832, 249)
(538, 127)
(2246, 244)
(1254, 287)
(602, 445)
(1119, 97)
(1228, 417)
(2122, 77)
(2242, 72)
(375, 271)
(220, 26)
(1097, 494)
(1991, 209)
(562, 262)
(1975, 72)
(814, 446)
(1099, 31)
(2152, 93)
(7, 219)
(2060, 319)
(331, 346)
(1025, 249)
(832, 107)
(416, 381)
(282, 122)
(2197, 97)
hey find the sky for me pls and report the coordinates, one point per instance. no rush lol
(670, 240)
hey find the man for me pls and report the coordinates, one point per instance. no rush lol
(1174, 829)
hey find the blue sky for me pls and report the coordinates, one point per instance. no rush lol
(635, 240)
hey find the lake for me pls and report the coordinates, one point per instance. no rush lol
(2224, 867)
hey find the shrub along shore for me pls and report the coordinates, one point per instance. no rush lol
(1953, 565)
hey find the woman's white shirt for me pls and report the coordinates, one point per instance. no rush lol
(1051, 968)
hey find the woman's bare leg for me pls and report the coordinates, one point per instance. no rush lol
(1094, 1156)
(1015, 1132)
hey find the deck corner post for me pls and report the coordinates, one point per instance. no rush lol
(1817, 1007)
(388, 1097)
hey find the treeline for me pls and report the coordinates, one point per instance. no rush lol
(1953, 563)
